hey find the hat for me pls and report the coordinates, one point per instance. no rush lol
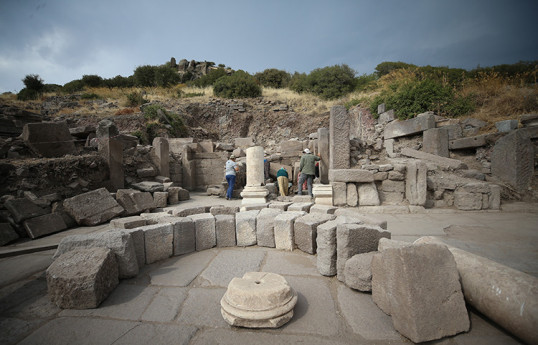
(306, 151)
(232, 157)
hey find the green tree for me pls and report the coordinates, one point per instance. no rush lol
(273, 77)
(239, 85)
(144, 75)
(92, 80)
(34, 82)
(166, 76)
(387, 67)
(331, 82)
(210, 78)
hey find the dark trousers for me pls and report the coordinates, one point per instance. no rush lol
(308, 179)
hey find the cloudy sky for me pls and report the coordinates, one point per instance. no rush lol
(62, 40)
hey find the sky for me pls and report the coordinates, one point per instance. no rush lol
(62, 40)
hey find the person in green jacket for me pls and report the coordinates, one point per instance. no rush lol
(308, 170)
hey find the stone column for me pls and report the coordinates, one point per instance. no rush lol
(162, 152)
(323, 150)
(254, 192)
(339, 138)
(416, 183)
(112, 150)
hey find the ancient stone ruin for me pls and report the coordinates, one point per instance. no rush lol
(367, 165)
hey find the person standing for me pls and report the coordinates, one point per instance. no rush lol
(307, 168)
(231, 170)
(283, 181)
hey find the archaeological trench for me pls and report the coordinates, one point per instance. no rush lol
(58, 175)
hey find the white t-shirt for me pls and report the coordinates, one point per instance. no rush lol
(230, 167)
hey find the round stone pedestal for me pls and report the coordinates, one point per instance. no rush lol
(258, 300)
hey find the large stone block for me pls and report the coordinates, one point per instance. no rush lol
(92, 208)
(323, 209)
(225, 230)
(221, 209)
(265, 224)
(291, 148)
(469, 142)
(352, 195)
(435, 141)
(186, 212)
(49, 139)
(162, 153)
(158, 241)
(306, 230)
(441, 162)
(7, 234)
(339, 147)
(134, 202)
(23, 208)
(339, 193)
(351, 175)
(326, 244)
(82, 278)
(284, 229)
(160, 199)
(416, 183)
(120, 243)
(467, 201)
(352, 239)
(245, 227)
(324, 149)
(368, 195)
(139, 242)
(128, 222)
(184, 234)
(358, 272)
(204, 227)
(300, 206)
(44, 225)
(512, 160)
(426, 301)
(415, 125)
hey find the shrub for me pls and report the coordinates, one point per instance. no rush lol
(273, 77)
(387, 67)
(34, 82)
(210, 78)
(119, 81)
(331, 82)
(298, 82)
(161, 121)
(73, 86)
(365, 82)
(92, 80)
(141, 137)
(135, 99)
(238, 85)
(27, 94)
(90, 96)
(166, 76)
(144, 75)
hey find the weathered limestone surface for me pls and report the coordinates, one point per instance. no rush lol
(427, 304)
(48, 139)
(82, 278)
(265, 224)
(368, 195)
(415, 125)
(306, 230)
(355, 214)
(281, 205)
(162, 151)
(352, 195)
(300, 206)
(254, 192)
(385, 243)
(416, 183)
(225, 230)
(512, 160)
(339, 147)
(323, 194)
(351, 175)
(258, 300)
(512, 304)
(120, 243)
(358, 272)
(221, 209)
(148, 186)
(44, 225)
(7, 234)
(339, 193)
(173, 195)
(245, 227)
(128, 222)
(324, 149)
(435, 141)
(469, 142)
(137, 234)
(323, 209)
(284, 229)
(160, 199)
(23, 208)
(134, 202)
(92, 208)
(352, 239)
(112, 150)
(186, 212)
(204, 227)
(184, 234)
(158, 241)
(442, 162)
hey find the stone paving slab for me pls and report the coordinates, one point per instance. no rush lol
(294, 263)
(182, 270)
(202, 308)
(146, 333)
(364, 317)
(229, 264)
(165, 305)
(259, 337)
(126, 302)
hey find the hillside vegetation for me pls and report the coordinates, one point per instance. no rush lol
(490, 94)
